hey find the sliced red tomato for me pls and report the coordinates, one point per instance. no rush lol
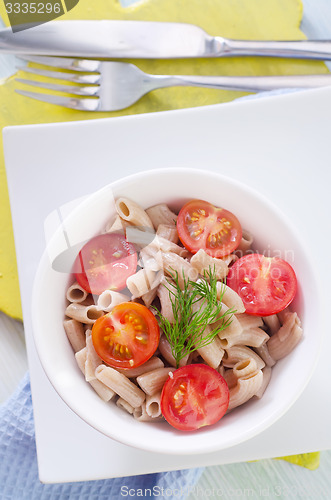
(194, 396)
(215, 230)
(105, 262)
(127, 336)
(266, 285)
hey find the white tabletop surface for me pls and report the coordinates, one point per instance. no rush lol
(317, 23)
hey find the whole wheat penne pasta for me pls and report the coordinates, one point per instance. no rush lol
(152, 364)
(203, 263)
(165, 245)
(124, 405)
(245, 243)
(233, 329)
(75, 333)
(211, 353)
(229, 377)
(266, 379)
(240, 353)
(109, 299)
(102, 390)
(153, 381)
(120, 384)
(139, 236)
(245, 389)
(249, 321)
(153, 405)
(264, 354)
(161, 214)
(254, 337)
(132, 212)
(165, 300)
(287, 337)
(92, 358)
(141, 415)
(166, 352)
(168, 232)
(230, 298)
(116, 225)
(230, 259)
(84, 314)
(76, 293)
(244, 368)
(149, 296)
(174, 265)
(272, 322)
(143, 281)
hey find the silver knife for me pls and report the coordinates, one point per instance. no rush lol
(148, 40)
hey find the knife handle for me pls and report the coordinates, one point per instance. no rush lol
(243, 83)
(300, 49)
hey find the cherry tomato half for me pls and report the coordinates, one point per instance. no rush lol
(127, 336)
(266, 285)
(215, 230)
(194, 396)
(105, 262)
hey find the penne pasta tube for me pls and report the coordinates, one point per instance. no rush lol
(230, 259)
(152, 364)
(229, 297)
(143, 281)
(272, 322)
(141, 415)
(212, 353)
(175, 265)
(84, 314)
(116, 225)
(254, 337)
(149, 296)
(153, 405)
(102, 390)
(153, 381)
(92, 359)
(249, 321)
(120, 384)
(76, 293)
(266, 379)
(203, 262)
(245, 243)
(109, 299)
(161, 214)
(75, 333)
(244, 368)
(168, 232)
(124, 405)
(229, 377)
(166, 352)
(165, 300)
(264, 354)
(165, 245)
(240, 353)
(245, 389)
(133, 213)
(287, 337)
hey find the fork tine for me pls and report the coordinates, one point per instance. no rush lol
(64, 63)
(77, 78)
(70, 89)
(86, 104)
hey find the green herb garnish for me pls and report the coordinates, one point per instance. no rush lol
(194, 306)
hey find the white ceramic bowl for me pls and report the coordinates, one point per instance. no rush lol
(272, 231)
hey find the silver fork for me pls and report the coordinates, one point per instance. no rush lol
(110, 86)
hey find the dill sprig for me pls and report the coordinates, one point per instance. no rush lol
(195, 305)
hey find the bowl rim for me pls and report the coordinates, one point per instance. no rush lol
(150, 445)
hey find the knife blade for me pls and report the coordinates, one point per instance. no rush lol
(111, 39)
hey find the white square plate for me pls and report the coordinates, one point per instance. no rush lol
(278, 145)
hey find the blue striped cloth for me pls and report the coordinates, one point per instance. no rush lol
(19, 471)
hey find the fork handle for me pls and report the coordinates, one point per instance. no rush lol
(305, 49)
(244, 83)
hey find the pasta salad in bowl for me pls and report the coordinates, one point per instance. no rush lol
(182, 321)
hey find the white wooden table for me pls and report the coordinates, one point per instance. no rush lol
(266, 478)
